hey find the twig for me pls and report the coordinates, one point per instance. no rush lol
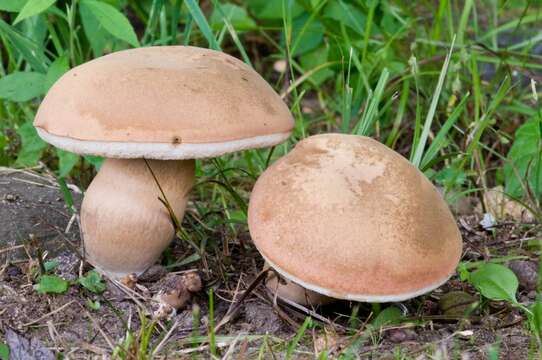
(165, 339)
(97, 325)
(15, 247)
(49, 314)
(229, 352)
(235, 308)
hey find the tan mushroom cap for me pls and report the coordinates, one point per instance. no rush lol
(169, 102)
(347, 217)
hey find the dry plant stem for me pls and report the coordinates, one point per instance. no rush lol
(125, 225)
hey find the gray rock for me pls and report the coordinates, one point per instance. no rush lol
(401, 335)
(32, 205)
(527, 273)
(20, 348)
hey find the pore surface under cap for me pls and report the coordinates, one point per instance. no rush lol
(160, 151)
(347, 217)
(163, 96)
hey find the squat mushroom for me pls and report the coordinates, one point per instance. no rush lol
(171, 104)
(346, 217)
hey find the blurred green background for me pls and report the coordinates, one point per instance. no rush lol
(451, 84)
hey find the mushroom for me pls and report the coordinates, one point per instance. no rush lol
(346, 217)
(170, 104)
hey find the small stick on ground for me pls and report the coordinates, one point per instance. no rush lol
(99, 328)
(235, 308)
(165, 339)
(49, 314)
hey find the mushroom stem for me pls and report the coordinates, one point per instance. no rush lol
(125, 226)
(288, 290)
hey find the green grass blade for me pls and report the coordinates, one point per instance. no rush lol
(153, 20)
(476, 134)
(202, 23)
(400, 112)
(212, 338)
(369, 115)
(440, 139)
(465, 14)
(29, 50)
(347, 99)
(233, 33)
(420, 146)
(32, 8)
(295, 341)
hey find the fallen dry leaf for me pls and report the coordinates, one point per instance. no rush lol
(502, 207)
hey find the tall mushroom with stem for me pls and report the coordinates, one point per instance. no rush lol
(170, 105)
(345, 217)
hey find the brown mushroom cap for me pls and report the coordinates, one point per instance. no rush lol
(169, 102)
(349, 218)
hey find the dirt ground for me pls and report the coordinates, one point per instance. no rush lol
(66, 323)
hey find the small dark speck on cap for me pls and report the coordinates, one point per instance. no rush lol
(176, 140)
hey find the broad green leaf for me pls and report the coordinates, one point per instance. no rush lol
(346, 14)
(33, 7)
(307, 34)
(12, 5)
(464, 274)
(272, 10)
(66, 161)
(35, 29)
(96, 35)
(56, 70)
(50, 265)
(22, 86)
(112, 20)
(235, 14)
(51, 284)
(389, 316)
(93, 305)
(31, 51)
(495, 282)
(93, 282)
(32, 145)
(389, 23)
(313, 59)
(4, 158)
(524, 160)
(96, 161)
(4, 351)
(66, 193)
(536, 317)
(451, 176)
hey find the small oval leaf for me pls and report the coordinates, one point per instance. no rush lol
(33, 7)
(112, 20)
(51, 284)
(495, 282)
(22, 86)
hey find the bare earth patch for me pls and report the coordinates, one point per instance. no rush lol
(70, 324)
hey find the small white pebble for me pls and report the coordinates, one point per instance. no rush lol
(488, 222)
(280, 66)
